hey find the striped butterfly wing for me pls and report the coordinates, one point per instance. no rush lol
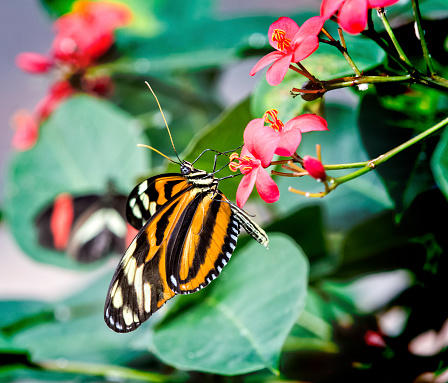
(201, 242)
(180, 250)
(150, 195)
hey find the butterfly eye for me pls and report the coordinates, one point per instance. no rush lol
(185, 169)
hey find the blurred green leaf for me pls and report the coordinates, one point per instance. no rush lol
(229, 332)
(381, 127)
(57, 8)
(64, 329)
(266, 97)
(83, 145)
(439, 163)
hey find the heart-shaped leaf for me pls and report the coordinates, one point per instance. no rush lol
(85, 144)
(242, 323)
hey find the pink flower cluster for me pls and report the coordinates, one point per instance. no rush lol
(293, 43)
(351, 14)
(82, 36)
(261, 142)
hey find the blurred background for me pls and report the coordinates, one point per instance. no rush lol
(352, 288)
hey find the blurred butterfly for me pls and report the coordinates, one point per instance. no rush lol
(86, 227)
(187, 233)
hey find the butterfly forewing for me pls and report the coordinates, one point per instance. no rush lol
(150, 195)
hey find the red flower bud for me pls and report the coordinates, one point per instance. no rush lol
(314, 167)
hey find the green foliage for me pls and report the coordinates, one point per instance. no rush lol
(297, 310)
(66, 159)
(229, 332)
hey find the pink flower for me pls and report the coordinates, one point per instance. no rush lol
(26, 130)
(352, 14)
(292, 45)
(278, 138)
(34, 62)
(254, 175)
(314, 168)
(86, 33)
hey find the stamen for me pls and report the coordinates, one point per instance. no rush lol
(245, 163)
(282, 42)
(271, 118)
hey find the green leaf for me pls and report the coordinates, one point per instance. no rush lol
(63, 329)
(381, 122)
(439, 163)
(242, 323)
(83, 145)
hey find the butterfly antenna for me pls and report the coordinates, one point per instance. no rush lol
(166, 124)
(157, 151)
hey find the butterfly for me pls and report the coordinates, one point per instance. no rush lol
(86, 227)
(188, 231)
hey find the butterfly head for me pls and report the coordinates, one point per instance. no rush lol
(186, 168)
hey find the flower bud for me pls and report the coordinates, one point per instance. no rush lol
(314, 167)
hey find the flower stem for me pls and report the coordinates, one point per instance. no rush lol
(391, 34)
(384, 157)
(421, 33)
(110, 371)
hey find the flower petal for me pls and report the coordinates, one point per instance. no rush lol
(353, 16)
(260, 141)
(380, 3)
(276, 73)
(288, 143)
(266, 60)
(314, 167)
(310, 27)
(285, 24)
(305, 48)
(329, 7)
(266, 187)
(245, 188)
(306, 123)
(33, 62)
(27, 130)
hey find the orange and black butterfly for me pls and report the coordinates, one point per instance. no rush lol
(188, 231)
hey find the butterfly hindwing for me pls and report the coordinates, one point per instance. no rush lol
(139, 286)
(150, 195)
(201, 243)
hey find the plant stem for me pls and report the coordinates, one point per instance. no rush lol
(384, 157)
(391, 34)
(351, 81)
(110, 371)
(421, 33)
